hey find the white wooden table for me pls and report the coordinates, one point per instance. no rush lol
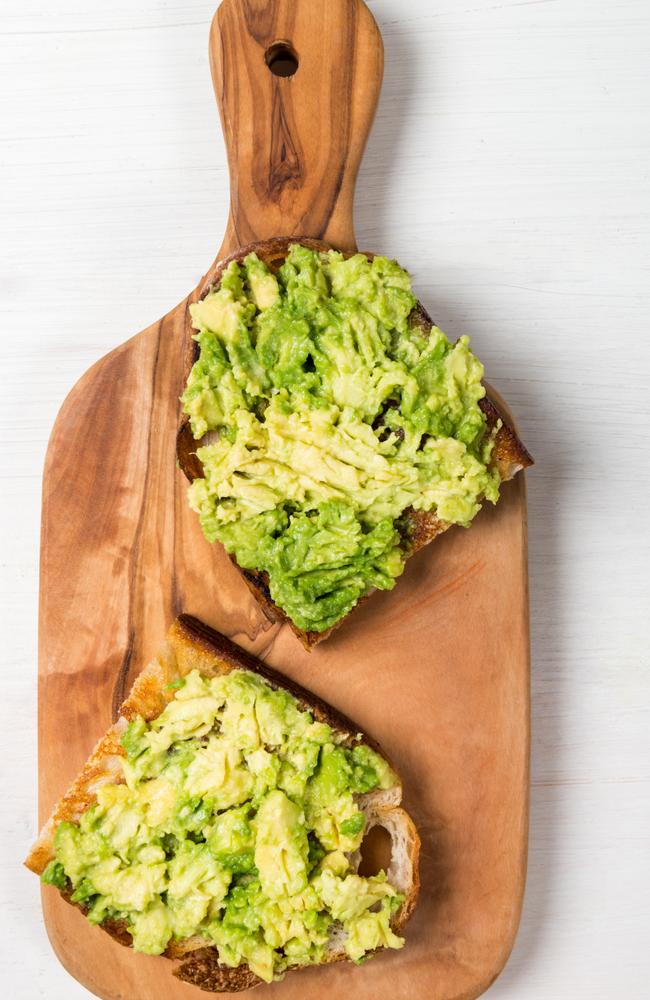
(509, 168)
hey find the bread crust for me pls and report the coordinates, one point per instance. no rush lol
(192, 645)
(509, 454)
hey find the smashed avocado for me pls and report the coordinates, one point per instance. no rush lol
(235, 821)
(329, 417)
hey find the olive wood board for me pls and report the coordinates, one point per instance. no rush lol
(437, 670)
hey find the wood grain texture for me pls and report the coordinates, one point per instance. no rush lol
(437, 670)
(295, 143)
(507, 168)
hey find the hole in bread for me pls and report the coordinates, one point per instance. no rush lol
(376, 849)
(281, 59)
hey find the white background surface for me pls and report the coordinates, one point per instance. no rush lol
(509, 168)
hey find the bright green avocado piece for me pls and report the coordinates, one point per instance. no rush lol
(235, 821)
(331, 417)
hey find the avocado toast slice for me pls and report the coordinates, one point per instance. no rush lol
(219, 822)
(331, 430)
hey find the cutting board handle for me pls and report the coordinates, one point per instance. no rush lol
(297, 84)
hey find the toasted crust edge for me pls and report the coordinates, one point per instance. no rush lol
(509, 455)
(190, 644)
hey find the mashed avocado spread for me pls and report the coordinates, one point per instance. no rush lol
(235, 822)
(331, 416)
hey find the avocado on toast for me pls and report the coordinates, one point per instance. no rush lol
(331, 429)
(219, 822)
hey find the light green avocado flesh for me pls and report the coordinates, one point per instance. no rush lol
(235, 821)
(331, 417)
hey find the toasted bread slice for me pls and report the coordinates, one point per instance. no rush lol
(191, 645)
(509, 454)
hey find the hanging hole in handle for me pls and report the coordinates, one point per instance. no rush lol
(282, 59)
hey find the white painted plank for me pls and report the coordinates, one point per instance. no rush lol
(509, 169)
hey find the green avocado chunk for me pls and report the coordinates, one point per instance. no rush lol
(235, 820)
(330, 417)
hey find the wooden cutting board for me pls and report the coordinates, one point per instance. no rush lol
(437, 670)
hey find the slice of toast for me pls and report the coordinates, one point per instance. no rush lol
(191, 645)
(509, 455)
